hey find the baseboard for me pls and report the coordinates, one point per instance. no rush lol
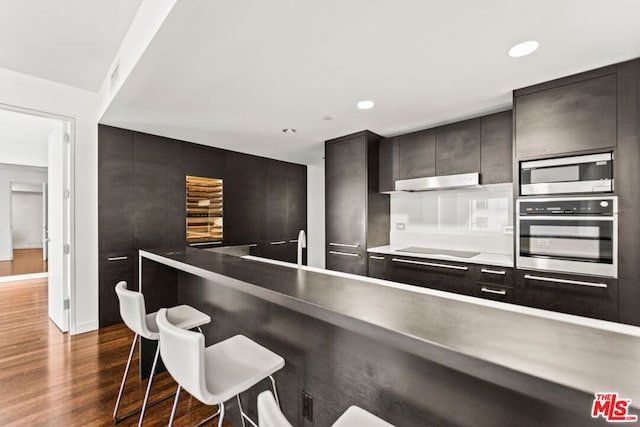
(83, 327)
(23, 277)
(26, 247)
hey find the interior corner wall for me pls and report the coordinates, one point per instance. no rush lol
(9, 174)
(32, 93)
(315, 217)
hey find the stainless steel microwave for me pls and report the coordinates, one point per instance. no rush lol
(592, 173)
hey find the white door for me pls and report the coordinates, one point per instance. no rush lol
(45, 230)
(57, 208)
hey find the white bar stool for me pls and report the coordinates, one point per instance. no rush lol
(270, 415)
(216, 373)
(134, 315)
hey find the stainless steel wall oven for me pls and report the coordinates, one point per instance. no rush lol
(572, 235)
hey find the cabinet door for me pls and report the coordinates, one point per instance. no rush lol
(296, 200)
(417, 154)
(387, 165)
(175, 195)
(276, 201)
(378, 265)
(595, 297)
(114, 267)
(495, 283)
(629, 301)
(435, 274)
(203, 161)
(345, 190)
(496, 152)
(458, 148)
(346, 260)
(115, 189)
(245, 199)
(565, 119)
(150, 198)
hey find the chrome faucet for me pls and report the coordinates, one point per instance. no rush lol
(302, 243)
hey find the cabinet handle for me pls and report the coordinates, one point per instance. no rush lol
(342, 253)
(293, 241)
(217, 242)
(376, 257)
(493, 291)
(279, 242)
(253, 245)
(117, 258)
(566, 281)
(430, 264)
(499, 272)
(344, 245)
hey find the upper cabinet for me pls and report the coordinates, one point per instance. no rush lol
(565, 116)
(458, 148)
(496, 148)
(483, 145)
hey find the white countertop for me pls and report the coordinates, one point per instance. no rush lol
(498, 260)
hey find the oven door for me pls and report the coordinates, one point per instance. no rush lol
(583, 245)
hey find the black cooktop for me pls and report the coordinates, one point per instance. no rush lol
(432, 251)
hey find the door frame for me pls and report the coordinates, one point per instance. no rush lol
(69, 126)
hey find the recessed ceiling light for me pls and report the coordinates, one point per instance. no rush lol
(366, 104)
(289, 130)
(524, 49)
(327, 118)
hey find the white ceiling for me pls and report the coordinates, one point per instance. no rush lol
(68, 41)
(234, 74)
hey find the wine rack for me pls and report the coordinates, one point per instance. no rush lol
(204, 210)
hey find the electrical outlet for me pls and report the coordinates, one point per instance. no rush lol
(307, 406)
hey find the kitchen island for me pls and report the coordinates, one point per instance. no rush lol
(413, 356)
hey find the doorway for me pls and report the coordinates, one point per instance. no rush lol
(36, 188)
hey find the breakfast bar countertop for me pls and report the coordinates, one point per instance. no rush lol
(554, 357)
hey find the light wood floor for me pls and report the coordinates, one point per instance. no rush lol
(25, 261)
(52, 379)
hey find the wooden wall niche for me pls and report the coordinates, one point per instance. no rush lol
(204, 210)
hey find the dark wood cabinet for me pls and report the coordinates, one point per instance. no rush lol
(628, 301)
(496, 153)
(245, 199)
(357, 216)
(379, 265)
(495, 283)
(569, 115)
(458, 148)
(416, 154)
(141, 186)
(587, 296)
(430, 273)
(387, 165)
(627, 172)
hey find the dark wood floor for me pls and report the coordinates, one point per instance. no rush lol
(25, 261)
(52, 379)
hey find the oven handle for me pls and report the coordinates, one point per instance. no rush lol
(568, 217)
(565, 281)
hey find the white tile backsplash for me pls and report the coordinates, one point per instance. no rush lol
(474, 219)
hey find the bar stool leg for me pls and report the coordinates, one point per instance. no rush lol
(175, 405)
(275, 392)
(124, 377)
(146, 395)
(221, 419)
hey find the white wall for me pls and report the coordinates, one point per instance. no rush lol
(21, 90)
(26, 212)
(315, 217)
(23, 154)
(9, 174)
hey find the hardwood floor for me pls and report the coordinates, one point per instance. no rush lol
(25, 261)
(52, 379)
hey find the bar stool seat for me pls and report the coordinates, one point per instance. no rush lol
(270, 415)
(216, 373)
(134, 315)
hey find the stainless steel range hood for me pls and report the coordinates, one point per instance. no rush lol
(439, 182)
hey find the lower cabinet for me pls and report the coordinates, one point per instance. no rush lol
(573, 294)
(628, 297)
(495, 283)
(379, 266)
(114, 267)
(279, 250)
(435, 274)
(347, 259)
